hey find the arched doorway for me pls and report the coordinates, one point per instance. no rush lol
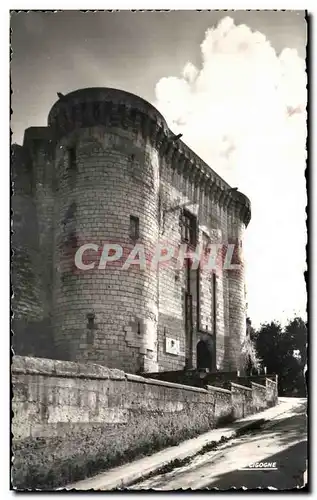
(204, 353)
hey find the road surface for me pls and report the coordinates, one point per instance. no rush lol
(283, 445)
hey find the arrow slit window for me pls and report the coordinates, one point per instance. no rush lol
(72, 165)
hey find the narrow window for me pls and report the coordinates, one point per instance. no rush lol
(72, 166)
(206, 243)
(72, 160)
(71, 241)
(134, 227)
(91, 326)
(189, 228)
(91, 321)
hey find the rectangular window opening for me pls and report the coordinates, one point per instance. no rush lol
(189, 228)
(72, 158)
(134, 227)
(206, 242)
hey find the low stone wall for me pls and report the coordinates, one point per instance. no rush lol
(271, 392)
(258, 396)
(217, 379)
(50, 397)
(222, 404)
(68, 415)
(242, 401)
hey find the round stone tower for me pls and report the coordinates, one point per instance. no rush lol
(239, 213)
(107, 193)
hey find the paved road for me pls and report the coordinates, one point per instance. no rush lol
(284, 443)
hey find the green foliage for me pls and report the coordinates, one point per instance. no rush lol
(277, 346)
(250, 354)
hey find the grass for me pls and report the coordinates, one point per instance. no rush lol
(174, 464)
(253, 426)
(50, 463)
(208, 447)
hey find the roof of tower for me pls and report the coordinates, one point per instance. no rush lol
(89, 106)
(116, 96)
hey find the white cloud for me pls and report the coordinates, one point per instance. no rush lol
(244, 113)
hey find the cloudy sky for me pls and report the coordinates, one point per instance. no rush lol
(233, 83)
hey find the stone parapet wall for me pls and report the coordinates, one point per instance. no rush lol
(49, 394)
(271, 392)
(218, 379)
(259, 396)
(241, 400)
(53, 397)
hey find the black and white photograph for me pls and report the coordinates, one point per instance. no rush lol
(159, 204)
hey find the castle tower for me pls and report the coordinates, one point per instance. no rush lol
(107, 170)
(99, 187)
(238, 220)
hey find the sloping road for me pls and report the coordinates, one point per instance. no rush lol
(284, 443)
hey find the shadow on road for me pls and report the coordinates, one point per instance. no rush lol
(291, 465)
(283, 443)
(286, 433)
(291, 461)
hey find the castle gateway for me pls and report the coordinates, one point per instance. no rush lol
(108, 171)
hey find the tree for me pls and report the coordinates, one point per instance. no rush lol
(296, 333)
(283, 351)
(250, 358)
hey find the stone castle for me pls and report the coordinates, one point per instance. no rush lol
(107, 169)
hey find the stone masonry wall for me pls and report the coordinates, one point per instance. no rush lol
(53, 397)
(177, 190)
(49, 396)
(242, 400)
(114, 179)
(108, 158)
(271, 392)
(259, 396)
(217, 224)
(72, 420)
